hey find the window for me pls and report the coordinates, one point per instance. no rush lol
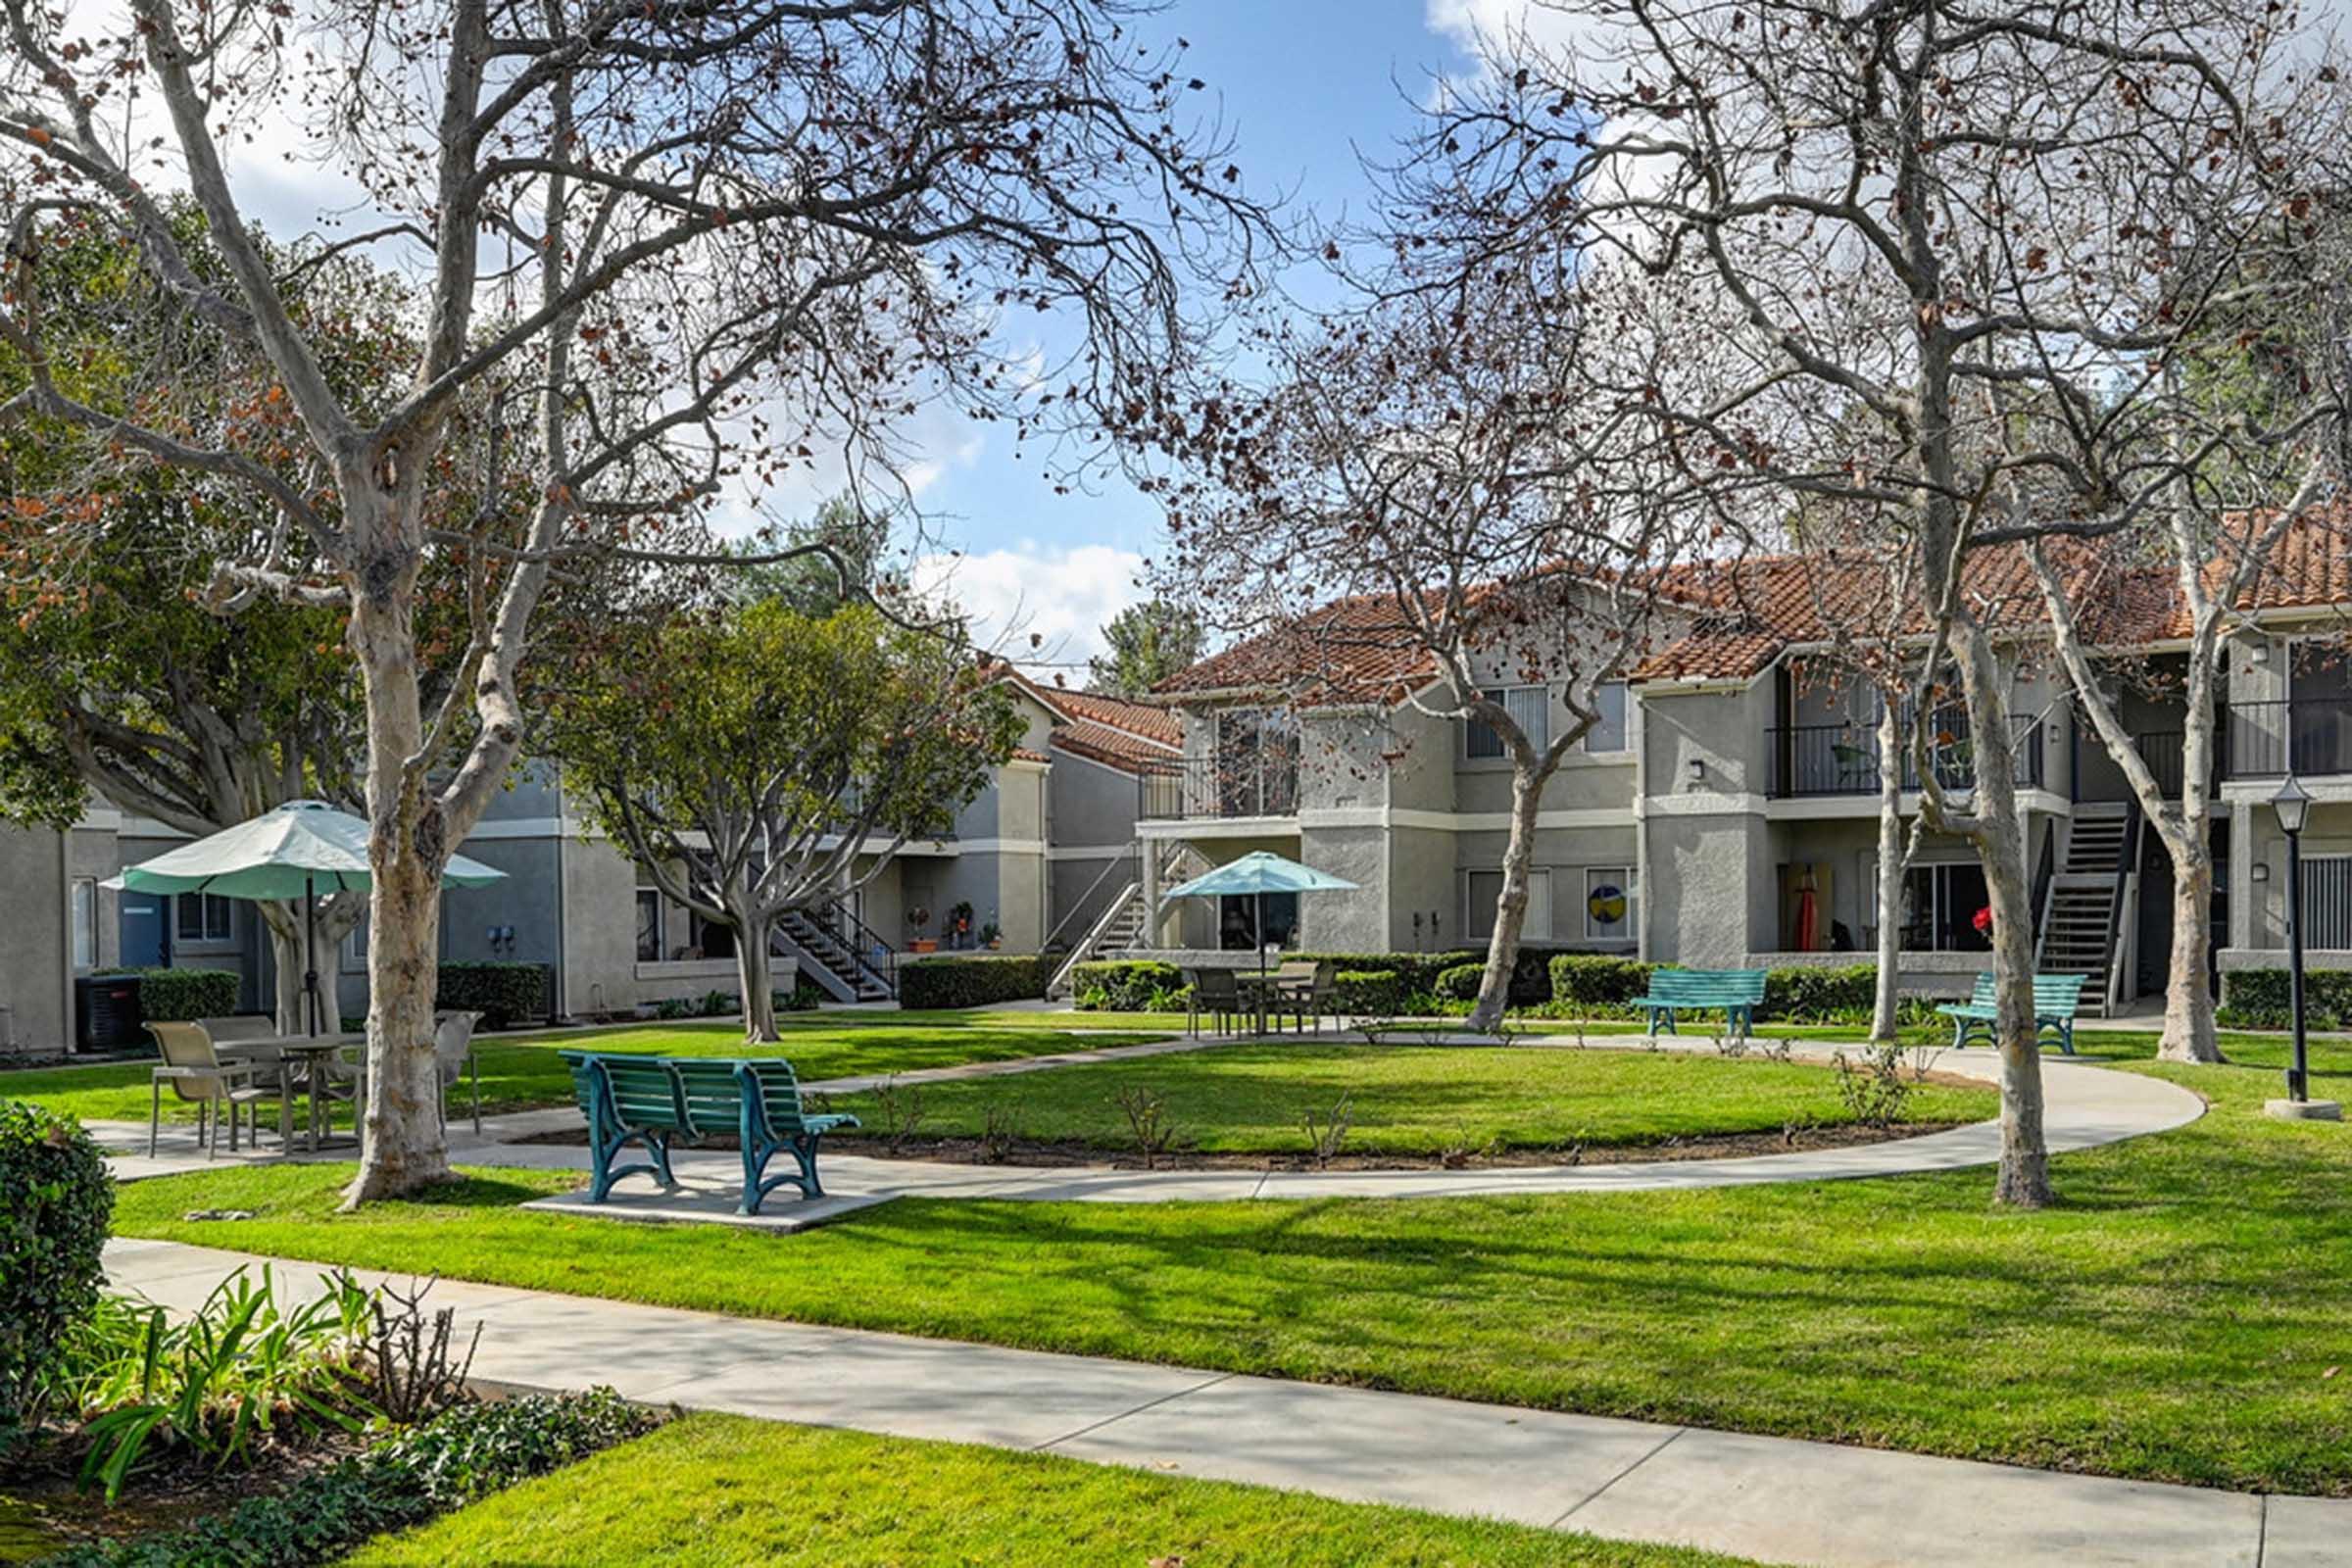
(1530, 708)
(1609, 903)
(713, 940)
(1608, 735)
(1940, 906)
(1483, 891)
(200, 917)
(86, 922)
(2327, 902)
(649, 925)
(355, 948)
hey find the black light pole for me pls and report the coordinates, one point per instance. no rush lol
(2293, 805)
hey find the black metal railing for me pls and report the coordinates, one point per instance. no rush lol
(2307, 736)
(1200, 786)
(1816, 759)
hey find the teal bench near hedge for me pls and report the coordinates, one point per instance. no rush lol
(1736, 993)
(649, 1101)
(2057, 998)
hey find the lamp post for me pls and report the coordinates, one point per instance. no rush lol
(2292, 803)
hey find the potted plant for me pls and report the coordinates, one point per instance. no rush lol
(916, 919)
(959, 923)
(992, 936)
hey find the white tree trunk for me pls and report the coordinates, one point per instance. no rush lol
(402, 1145)
(2188, 1025)
(1510, 909)
(2024, 1178)
(1886, 1000)
(755, 972)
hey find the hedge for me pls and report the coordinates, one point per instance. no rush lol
(1127, 985)
(971, 981)
(2262, 998)
(176, 995)
(458, 1458)
(55, 1201)
(1462, 982)
(1585, 985)
(503, 993)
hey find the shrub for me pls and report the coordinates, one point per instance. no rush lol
(459, 1457)
(971, 981)
(1370, 992)
(1417, 973)
(503, 993)
(1804, 995)
(804, 997)
(1128, 985)
(55, 1201)
(1594, 985)
(2262, 998)
(1461, 982)
(176, 995)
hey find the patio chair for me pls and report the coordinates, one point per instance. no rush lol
(1313, 999)
(194, 1068)
(1215, 993)
(453, 1052)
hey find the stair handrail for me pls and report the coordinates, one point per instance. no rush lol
(868, 941)
(2127, 864)
(1132, 848)
(1084, 951)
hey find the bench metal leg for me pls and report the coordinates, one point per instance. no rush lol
(155, 1113)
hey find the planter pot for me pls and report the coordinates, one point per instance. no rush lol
(922, 945)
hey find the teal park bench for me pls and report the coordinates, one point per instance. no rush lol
(650, 1099)
(1736, 993)
(2057, 998)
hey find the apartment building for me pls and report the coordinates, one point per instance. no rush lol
(1725, 811)
(1050, 843)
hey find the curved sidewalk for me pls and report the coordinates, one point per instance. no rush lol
(1774, 1499)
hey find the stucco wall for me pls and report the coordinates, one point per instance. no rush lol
(33, 972)
(1709, 909)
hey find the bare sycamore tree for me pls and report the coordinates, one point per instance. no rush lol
(1437, 459)
(1958, 244)
(667, 250)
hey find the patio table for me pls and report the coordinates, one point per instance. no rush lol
(313, 1053)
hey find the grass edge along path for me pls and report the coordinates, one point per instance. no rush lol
(713, 1490)
(2173, 1319)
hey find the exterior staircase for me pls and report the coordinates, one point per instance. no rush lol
(1125, 923)
(2091, 902)
(840, 952)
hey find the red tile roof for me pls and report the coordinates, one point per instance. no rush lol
(1352, 650)
(1144, 720)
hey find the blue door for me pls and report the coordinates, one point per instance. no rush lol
(146, 929)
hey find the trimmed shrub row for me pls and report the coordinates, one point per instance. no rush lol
(2263, 999)
(459, 1457)
(1587, 986)
(501, 993)
(971, 981)
(176, 995)
(55, 1201)
(1127, 985)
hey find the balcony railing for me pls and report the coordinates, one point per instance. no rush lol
(1201, 788)
(2306, 735)
(1817, 759)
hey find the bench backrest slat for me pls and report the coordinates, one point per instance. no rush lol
(712, 1094)
(2055, 995)
(1708, 988)
(779, 1091)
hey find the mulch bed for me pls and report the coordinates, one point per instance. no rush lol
(1059, 1153)
(40, 1502)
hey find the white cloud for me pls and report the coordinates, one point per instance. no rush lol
(1059, 597)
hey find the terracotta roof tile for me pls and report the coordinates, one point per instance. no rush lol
(1352, 650)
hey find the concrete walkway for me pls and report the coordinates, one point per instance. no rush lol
(1769, 1498)
(2087, 1106)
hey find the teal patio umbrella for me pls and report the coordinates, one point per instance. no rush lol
(293, 852)
(1260, 872)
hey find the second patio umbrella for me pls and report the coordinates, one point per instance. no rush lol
(296, 851)
(1261, 872)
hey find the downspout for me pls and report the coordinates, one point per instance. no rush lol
(563, 896)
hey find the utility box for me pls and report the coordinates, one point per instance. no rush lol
(106, 1012)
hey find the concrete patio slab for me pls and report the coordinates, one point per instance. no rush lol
(2307, 1532)
(1838, 1507)
(1534, 1466)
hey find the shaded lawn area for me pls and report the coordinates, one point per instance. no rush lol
(1408, 1098)
(2171, 1320)
(716, 1489)
(526, 1071)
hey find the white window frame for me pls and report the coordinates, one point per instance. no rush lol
(1538, 922)
(83, 911)
(1622, 875)
(1625, 722)
(1538, 733)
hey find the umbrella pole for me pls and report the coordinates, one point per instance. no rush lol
(309, 949)
(1262, 1000)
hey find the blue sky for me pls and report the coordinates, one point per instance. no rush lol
(1303, 86)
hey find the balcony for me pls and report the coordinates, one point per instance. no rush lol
(1205, 789)
(1807, 762)
(2309, 736)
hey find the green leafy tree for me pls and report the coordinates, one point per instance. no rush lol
(819, 565)
(750, 758)
(1148, 643)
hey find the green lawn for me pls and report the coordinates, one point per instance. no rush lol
(2174, 1319)
(525, 1071)
(723, 1491)
(1408, 1098)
